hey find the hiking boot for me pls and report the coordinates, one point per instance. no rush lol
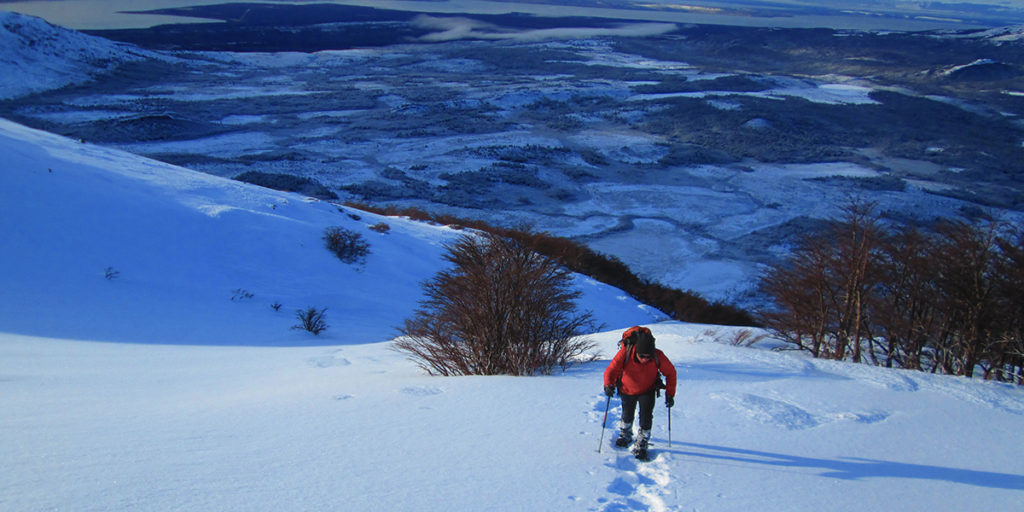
(640, 447)
(625, 435)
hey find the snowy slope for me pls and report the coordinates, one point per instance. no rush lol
(184, 244)
(93, 426)
(155, 391)
(37, 56)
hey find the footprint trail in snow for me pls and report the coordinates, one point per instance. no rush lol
(638, 485)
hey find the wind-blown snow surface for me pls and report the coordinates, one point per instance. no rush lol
(155, 391)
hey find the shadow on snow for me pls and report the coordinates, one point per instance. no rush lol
(854, 468)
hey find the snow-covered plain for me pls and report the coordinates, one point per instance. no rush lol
(164, 387)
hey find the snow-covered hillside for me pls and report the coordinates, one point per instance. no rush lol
(154, 390)
(188, 249)
(37, 56)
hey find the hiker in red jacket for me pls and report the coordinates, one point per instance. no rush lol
(636, 372)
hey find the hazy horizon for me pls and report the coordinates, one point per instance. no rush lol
(850, 14)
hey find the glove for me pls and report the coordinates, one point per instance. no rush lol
(609, 390)
(669, 401)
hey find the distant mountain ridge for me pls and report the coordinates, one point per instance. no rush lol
(1012, 33)
(983, 69)
(38, 56)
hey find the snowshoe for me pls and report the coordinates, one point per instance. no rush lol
(640, 448)
(641, 453)
(625, 435)
(625, 439)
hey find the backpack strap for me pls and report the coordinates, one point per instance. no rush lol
(660, 383)
(625, 359)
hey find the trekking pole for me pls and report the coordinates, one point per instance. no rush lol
(603, 422)
(670, 427)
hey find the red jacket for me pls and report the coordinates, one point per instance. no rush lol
(637, 377)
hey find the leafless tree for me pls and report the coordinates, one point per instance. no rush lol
(949, 300)
(856, 247)
(802, 298)
(965, 258)
(827, 289)
(1010, 364)
(500, 309)
(906, 316)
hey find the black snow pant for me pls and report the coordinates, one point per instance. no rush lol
(646, 402)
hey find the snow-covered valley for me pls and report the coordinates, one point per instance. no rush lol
(613, 142)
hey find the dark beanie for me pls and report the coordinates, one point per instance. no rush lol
(645, 343)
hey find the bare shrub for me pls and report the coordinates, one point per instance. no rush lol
(735, 337)
(349, 246)
(381, 227)
(312, 320)
(501, 309)
(745, 338)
